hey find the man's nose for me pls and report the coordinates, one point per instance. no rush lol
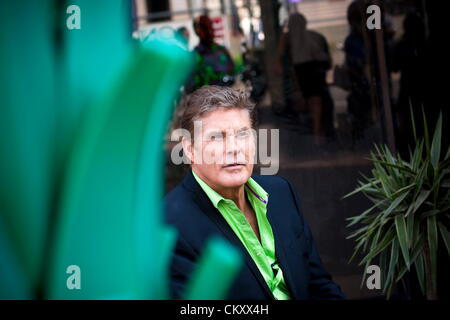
(231, 145)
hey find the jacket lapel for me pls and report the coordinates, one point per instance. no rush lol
(282, 252)
(207, 207)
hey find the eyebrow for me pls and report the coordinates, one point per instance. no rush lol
(243, 129)
(214, 132)
(224, 131)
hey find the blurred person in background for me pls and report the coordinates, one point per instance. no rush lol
(310, 56)
(362, 61)
(213, 63)
(410, 58)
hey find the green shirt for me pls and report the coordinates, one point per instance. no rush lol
(262, 253)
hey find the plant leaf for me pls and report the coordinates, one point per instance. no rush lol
(403, 189)
(355, 252)
(394, 204)
(359, 189)
(420, 177)
(379, 247)
(358, 218)
(357, 232)
(416, 251)
(419, 200)
(392, 263)
(432, 242)
(400, 226)
(410, 229)
(436, 144)
(396, 166)
(429, 213)
(420, 273)
(425, 131)
(416, 158)
(383, 264)
(413, 121)
(364, 273)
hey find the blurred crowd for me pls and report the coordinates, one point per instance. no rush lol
(304, 62)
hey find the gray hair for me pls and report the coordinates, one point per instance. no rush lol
(210, 98)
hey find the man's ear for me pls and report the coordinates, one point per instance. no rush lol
(188, 148)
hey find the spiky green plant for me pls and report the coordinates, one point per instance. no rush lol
(410, 212)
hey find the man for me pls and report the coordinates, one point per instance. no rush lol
(259, 215)
(311, 59)
(213, 63)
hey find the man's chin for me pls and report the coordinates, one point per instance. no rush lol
(234, 178)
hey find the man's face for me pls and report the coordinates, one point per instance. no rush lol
(205, 30)
(222, 155)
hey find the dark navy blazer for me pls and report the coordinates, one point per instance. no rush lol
(189, 209)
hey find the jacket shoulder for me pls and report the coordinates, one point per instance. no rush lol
(272, 183)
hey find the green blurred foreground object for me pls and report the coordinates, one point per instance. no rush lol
(27, 141)
(410, 212)
(81, 160)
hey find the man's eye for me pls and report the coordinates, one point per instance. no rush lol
(216, 137)
(243, 134)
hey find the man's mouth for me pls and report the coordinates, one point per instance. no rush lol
(233, 165)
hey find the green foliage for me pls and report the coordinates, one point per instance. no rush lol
(82, 119)
(410, 212)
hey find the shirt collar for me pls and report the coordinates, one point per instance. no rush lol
(251, 185)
